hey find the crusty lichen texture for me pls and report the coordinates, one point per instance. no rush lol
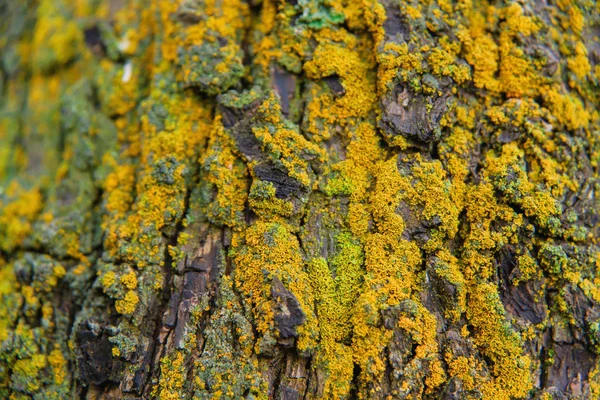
(223, 199)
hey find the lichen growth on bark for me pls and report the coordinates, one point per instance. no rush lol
(313, 198)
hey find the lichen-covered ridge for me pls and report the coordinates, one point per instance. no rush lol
(299, 199)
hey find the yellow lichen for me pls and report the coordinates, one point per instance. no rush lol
(128, 304)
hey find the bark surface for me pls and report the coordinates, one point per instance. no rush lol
(299, 199)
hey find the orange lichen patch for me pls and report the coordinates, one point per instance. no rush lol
(482, 209)
(59, 365)
(431, 194)
(226, 17)
(129, 280)
(9, 296)
(496, 339)
(440, 60)
(122, 84)
(279, 41)
(31, 367)
(517, 23)
(173, 376)
(500, 65)
(119, 186)
(392, 264)
(168, 156)
(284, 142)
(528, 267)
(517, 74)
(333, 325)
(508, 175)
(72, 244)
(18, 214)
(450, 269)
(264, 251)
(594, 378)
(385, 199)
(108, 279)
(501, 161)
(464, 368)
(482, 54)
(265, 203)
(567, 109)
(389, 259)
(128, 304)
(354, 69)
(355, 173)
(422, 329)
(396, 59)
(195, 47)
(57, 273)
(366, 15)
(228, 174)
(56, 39)
(369, 340)
(579, 63)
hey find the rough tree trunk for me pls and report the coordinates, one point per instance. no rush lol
(299, 199)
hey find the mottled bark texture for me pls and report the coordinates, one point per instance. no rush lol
(299, 199)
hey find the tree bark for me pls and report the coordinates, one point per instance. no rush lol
(299, 199)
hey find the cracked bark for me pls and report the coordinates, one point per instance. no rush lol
(297, 200)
